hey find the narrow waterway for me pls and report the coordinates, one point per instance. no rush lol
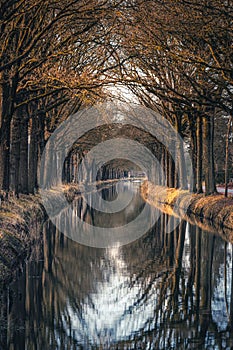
(161, 291)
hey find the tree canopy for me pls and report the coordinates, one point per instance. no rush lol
(57, 57)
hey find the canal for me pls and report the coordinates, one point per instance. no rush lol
(163, 290)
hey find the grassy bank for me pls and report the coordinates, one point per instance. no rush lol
(20, 223)
(211, 213)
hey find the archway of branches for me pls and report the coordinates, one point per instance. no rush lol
(59, 57)
(118, 166)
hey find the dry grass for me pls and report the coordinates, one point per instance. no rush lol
(211, 213)
(19, 221)
(18, 226)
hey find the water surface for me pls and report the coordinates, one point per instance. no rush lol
(162, 291)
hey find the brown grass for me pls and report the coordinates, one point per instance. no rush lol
(211, 213)
(19, 222)
(18, 229)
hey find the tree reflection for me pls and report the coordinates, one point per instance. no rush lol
(163, 291)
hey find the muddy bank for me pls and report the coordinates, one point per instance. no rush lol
(20, 227)
(212, 213)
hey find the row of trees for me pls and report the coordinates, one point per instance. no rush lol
(181, 65)
(56, 57)
(49, 67)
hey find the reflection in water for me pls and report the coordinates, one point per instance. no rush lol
(88, 209)
(106, 221)
(163, 291)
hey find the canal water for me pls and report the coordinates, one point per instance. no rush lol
(161, 291)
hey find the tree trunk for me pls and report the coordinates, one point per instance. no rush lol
(68, 174)
(181, 166)
(5, 123)
(15, 152)
(167, 161)
(33, 155)
(41, 140)
(23, 161)
(227, 156)
(180, 158)
(5, 155)
(208, 137)
(199, 154)
(193, 150)
(163, 165)
(171, 172)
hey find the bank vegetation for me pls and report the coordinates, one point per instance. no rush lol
(213, 213)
